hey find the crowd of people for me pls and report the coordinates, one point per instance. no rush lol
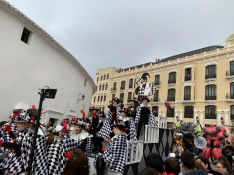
(188, 164)
(58, 148)
(64, 148)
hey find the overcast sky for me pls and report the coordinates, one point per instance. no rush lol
(123, 33)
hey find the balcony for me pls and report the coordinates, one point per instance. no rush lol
(157, 83)
(187, 97)
(229, 96)
(171, 81)
(210, 98)
(113, 89)
(170, 98)
(229, 73)
(156, 99)
(209, 76)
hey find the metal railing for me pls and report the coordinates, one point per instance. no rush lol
(229, 73)
(187, 97)
(210, 98)
(208, 76)
(157, 82)
(134, 151)
(151, 134)
(229, 96)
(171, 81)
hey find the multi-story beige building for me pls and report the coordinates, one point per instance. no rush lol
(196, 84)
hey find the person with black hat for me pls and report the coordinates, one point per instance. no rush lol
(17, 162)
(144, 116)
(106, 130)
(115, 154)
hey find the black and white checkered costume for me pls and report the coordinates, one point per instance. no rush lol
(132, 129)
(40, 161)
(106, 129)
(151, 122)
(70, 144)
(115, 155)
(146, 90)
(56, 158)
(17, 164)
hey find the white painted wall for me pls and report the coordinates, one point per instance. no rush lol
(24, 68)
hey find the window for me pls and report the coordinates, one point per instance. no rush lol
(129, 96)
(156, 94)
(171, 95)
(188, 74)
(113, 96)
(94, 99)
(25, 35)
(130, 83)
(106, 87)
(157, 80)
(107, 76)
(103, 86)
(187, 93)
(232, 90)
(97, 79)
(85, 82)
(210, 92)
(170, 112)
(232, 68)
(101, 98)
(98, 98)
(121, 97)
(188, 111)
(211, 71)
(96, 88)
(114, 86)
(232, 112)
(100, 87)
(172, 78)
(104, 99)
(104, 77)
(101, 78)
(210, 112)
(155, 111)
(122, 87)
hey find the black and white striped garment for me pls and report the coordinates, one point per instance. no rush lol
(115, 155)
(151, 122)
(56, 158)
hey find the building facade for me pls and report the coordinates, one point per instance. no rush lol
(30, 60)
(193, 85)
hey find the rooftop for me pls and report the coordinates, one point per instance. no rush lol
(190, 53)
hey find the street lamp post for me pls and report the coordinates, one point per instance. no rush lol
(44, 93)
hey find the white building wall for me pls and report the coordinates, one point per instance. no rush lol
(24, 68)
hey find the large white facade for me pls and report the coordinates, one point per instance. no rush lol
(42, 62)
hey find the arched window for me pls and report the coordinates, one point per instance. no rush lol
(210, 92)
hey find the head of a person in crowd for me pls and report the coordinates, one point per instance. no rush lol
(188, 162)
(223, 166)
(149, 171)
(25, 119)
(155, 161)
(2, 124)
(202, 162)
(116, 101)
(145, 101)
(171, 165)
(78, 128)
